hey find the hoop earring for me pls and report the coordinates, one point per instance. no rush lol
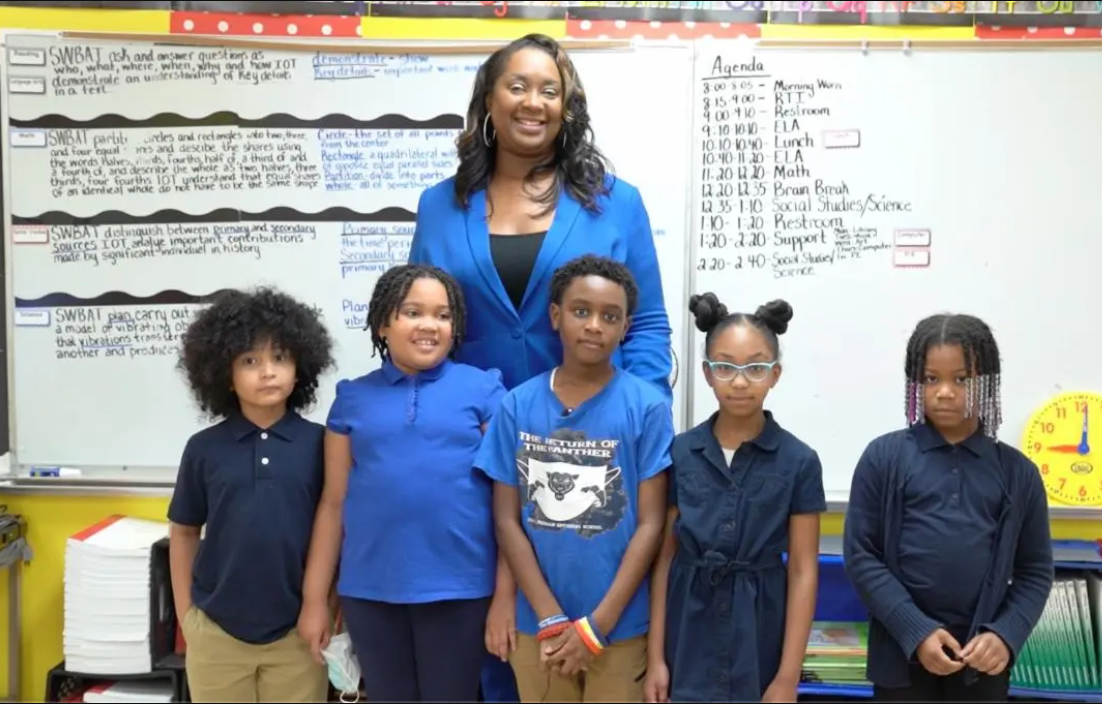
(486, 138)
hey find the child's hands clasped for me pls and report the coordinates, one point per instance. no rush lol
(566, 653)
(986, 653)
(933, 657)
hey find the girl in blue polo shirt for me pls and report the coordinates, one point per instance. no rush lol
(403, 508)
(729, 619)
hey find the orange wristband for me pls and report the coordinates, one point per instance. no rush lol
(589, 635)
(552, 630)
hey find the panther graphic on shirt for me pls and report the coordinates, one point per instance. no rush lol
(573, 481)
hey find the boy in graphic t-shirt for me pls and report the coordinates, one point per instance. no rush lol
(578, 458)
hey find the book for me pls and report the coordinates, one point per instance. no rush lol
(836, 653)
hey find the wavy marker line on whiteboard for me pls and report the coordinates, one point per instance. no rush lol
(171, 216)
(279, 120)
(116, 298)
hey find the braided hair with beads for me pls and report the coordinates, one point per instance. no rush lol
(981, 353)
(391, 290)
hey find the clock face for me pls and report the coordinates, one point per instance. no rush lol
(1064, 440)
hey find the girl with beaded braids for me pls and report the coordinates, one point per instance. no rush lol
(947, 535)
(532, 192)
(403, 512)
(981, 404)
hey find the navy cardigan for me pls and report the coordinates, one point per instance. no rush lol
(1018, 581)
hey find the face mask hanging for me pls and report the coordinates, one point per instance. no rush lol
(342, 665)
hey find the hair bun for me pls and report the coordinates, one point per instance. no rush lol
(707, 310)
(775, 315)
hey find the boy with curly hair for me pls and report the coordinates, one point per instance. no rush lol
(253, 481)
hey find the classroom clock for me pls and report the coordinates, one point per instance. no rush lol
(1064, 439)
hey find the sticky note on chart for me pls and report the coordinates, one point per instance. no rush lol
(911, 237)
(27, 138)
(30, 234)
(32, 318)
(26, 57)
(841, 139)
(911, 257)
(32, 85)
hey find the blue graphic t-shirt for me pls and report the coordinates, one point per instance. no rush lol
(578, 476)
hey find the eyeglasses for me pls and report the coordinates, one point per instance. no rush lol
(755, 371)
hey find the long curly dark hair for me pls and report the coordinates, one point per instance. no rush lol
(233, 324)
(578, 164)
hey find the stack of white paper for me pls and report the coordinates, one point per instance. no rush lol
(107, 597)
(131, 692)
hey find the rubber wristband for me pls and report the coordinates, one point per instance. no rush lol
(552, 631)
(590, 635)
(553, 620)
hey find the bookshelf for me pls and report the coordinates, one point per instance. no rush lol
(838, 602)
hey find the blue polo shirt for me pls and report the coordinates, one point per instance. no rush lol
(418, 519)
(579, 477)
(256, 491)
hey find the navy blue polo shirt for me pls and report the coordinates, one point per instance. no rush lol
(952, 498)
(256, 491)
(418, 518)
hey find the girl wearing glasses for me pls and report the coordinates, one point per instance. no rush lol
(729, 620)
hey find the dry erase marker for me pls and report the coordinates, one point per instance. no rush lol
(59, 472)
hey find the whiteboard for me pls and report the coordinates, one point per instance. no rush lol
(955, 180)
(144, 178)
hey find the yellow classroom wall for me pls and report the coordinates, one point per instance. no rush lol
(458, 29)
(52, 519)
(136, 21)
(860, 33)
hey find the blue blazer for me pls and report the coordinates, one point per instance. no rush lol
(521, 344)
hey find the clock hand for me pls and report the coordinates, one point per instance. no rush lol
(1064, 448)
(1084, 448)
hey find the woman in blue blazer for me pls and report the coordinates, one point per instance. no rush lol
(532, 192)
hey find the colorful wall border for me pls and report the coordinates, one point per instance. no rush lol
(335, 26)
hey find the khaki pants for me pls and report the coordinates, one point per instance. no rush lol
(616, 675)
(221, 668)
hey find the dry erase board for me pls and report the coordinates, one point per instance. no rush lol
(5, 428)
(871, 190)
(142, 179)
